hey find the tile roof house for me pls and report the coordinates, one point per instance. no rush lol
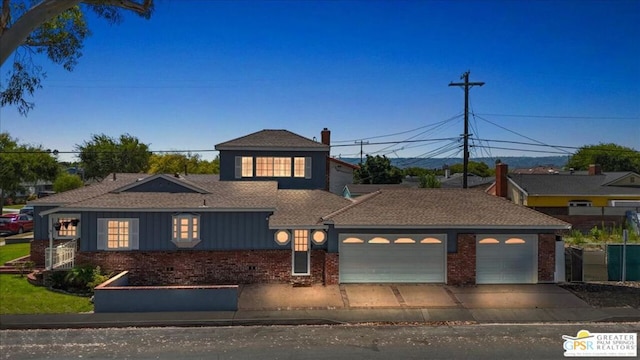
(168, 230)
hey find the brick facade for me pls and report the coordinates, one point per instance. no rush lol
(207, 267)
(38, 248)
(461, 265)
(546, 257)
(331, 269)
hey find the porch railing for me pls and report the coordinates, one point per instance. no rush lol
(64, 256)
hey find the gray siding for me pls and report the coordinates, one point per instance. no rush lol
(339, 176)
(41, 224)
(160, 185)
(318, 168)
(219, 230)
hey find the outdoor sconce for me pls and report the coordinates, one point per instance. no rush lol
(66, 224)
(57, 226)
(75, 222)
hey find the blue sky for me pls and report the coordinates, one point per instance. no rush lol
(202, 72)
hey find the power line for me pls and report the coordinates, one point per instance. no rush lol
(566, 117)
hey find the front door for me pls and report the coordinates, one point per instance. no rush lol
(301, 252)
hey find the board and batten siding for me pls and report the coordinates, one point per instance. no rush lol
(218, 230)
(41, 223)
(318, 168)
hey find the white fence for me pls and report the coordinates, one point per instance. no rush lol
(63, 256)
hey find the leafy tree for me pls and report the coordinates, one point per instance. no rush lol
(104, 155)
(172, 163)
(415, 171)
(429, 181)
(477, 168)
(610, 157)
(22, 163)
(377, 170)
(66, 182)
(56, 28)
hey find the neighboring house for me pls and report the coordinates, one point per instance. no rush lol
(473, 181)
(195, 229)
(340, 175)
(572, 196)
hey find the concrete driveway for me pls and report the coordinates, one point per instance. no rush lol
(372, 296)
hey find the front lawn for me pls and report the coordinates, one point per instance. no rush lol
(13, 251)
(18, 296)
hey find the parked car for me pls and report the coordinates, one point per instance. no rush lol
(28, 210)
(15, 223)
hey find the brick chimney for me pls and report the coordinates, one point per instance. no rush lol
(595, 169)
(325, 137)
(501, 180)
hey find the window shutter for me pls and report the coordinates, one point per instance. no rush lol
(307, 168)
(135, 234)
(238, 167)
(102, 234)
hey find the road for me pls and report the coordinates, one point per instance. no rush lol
(542, 341)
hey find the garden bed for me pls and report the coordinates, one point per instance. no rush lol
(607, 294)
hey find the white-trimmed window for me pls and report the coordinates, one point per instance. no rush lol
(118, 234)
(185, 230)
(301, 252)
(272, 166)
(247, 166)
(582, 203)
(65, 226)
(298, 167)
(267, 166)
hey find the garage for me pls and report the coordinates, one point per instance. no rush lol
(506, 259)
(392, 258)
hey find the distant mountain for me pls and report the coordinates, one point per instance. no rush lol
(514, 162)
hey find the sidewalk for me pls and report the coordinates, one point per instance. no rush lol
(277, 304)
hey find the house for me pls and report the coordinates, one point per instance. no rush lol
(263, 228)
(585, 199)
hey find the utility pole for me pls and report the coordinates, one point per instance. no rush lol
(361, 150)
(467, 85)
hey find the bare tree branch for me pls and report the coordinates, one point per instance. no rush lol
(5, 18)
(143, 8)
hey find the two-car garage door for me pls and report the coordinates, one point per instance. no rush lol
(371, 258)
(506, 259)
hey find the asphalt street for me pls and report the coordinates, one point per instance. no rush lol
(532, 341)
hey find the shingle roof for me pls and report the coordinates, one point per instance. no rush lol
(230, 195)
(440, 208)
(560, 184)
(89, 191)
(304, 207)
(220, 195)
(272, 140)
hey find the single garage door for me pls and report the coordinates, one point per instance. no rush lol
(370, 258)
(506, 259)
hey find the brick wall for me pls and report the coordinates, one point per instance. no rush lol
(461, 265)
(38, 247)
(546, 257)
(206, 267)
(331, 269)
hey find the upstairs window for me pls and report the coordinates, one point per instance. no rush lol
(272, 166)
(247, 166)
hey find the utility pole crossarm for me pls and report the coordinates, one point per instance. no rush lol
(467, 85)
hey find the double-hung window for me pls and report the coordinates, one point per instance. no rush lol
(118, 234)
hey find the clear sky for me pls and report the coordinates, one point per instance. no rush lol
(202, 72)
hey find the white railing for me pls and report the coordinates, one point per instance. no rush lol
(64, 256)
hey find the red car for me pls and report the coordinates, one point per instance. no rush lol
(15, 223)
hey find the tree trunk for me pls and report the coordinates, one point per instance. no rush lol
(14, 36)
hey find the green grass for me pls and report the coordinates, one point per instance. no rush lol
(13, 251)
(18, 296)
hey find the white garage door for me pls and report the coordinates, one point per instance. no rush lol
(370, 258)
(506, 259)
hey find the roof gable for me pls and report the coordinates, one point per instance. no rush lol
(161, 183)
(622, 179)
(273, 140)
